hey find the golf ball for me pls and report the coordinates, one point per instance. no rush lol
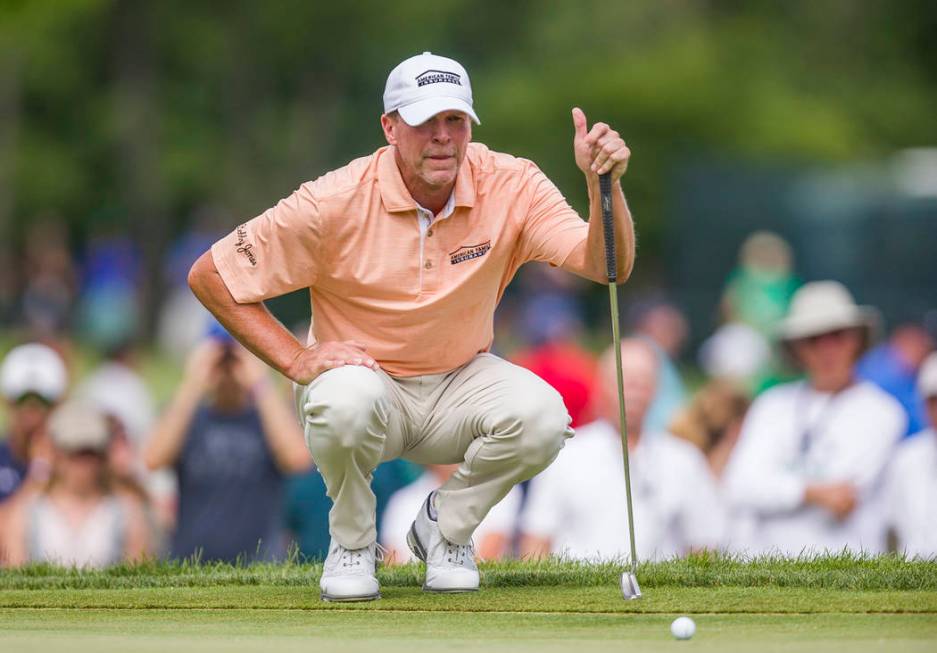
(683, 628)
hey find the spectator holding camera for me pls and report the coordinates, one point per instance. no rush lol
(231, 436)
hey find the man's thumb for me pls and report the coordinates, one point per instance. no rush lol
(579, 122)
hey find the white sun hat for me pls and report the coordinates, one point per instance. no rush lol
(824, 306)
(33, 369)
(927, 377)
(77, 426)
(424, 85)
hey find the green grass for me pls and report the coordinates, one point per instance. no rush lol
(844, 572)
(817, 604)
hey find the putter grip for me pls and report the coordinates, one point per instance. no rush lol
(608, 224)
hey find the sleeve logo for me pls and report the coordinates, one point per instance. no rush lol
(244, 247)
(468, 252)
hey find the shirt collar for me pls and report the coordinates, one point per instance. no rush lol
(396, 197)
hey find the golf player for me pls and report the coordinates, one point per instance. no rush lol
(406, 253)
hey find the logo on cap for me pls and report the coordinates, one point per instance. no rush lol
(438, 76)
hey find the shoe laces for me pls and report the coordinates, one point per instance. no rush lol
(355, 557)
(458, 553)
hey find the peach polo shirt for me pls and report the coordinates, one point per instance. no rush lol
(423, 304)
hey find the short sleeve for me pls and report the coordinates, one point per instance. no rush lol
(276, 253)
(551, 229)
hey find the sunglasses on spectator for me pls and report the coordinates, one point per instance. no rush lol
(32, 397)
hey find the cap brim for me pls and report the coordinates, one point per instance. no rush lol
(795, 328)
(421, 111)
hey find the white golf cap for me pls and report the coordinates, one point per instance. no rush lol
(424, 85)
(33, 369)
(78, 426)
(927, 377)
(824, 306)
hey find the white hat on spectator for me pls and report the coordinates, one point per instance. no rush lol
(33, 369)
(822, 307)
(77, 426)
(927, 378)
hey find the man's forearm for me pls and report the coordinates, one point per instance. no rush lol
(624, 231)
(252, 324)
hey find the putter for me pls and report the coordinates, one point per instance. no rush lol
(629, 579)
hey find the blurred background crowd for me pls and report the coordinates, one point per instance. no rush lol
(780, 380)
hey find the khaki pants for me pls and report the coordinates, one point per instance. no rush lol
(501, 422)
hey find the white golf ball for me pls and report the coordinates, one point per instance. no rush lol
(683, 628)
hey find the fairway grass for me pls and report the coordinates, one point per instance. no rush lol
(821, 604)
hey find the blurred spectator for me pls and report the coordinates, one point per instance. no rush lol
(51, 282)
(230, 437)
(810, 456)
(759, 290)
(911, 492)
(738, 353)
(665, 327)
(552, 323)
(117, 390)
(493, 538)
(307, 505)
(109, 310)
(893, 366)
(182, 317)
(32, 380)
(713, 422)
(77, 519)
(577, 506)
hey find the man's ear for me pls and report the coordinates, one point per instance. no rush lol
(389, 124)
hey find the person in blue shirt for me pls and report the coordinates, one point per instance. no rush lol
(231, 437)
(893, 366)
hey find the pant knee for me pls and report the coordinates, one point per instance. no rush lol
(543, 423)
(344, 408)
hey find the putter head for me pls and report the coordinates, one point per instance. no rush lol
(630, 589)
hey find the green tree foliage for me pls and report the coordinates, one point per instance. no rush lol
(131, 114)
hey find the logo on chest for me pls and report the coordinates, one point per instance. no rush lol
(468, 252)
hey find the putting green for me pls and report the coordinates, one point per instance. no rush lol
(821, 604)
(181, 631)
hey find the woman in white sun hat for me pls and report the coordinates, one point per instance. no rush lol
(805, 475)
(911, 496)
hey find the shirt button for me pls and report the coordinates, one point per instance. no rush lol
(429, 233)
(428, 265)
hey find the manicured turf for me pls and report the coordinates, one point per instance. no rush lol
(823, 604)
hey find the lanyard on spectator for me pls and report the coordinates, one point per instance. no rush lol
(808, 431)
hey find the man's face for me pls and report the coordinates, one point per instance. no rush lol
(430, 153)
(28, 415)
(832, 353)
(639, 375)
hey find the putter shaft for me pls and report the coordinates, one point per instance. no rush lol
(616, 341)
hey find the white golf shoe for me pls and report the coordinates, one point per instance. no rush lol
(449, 567)
(348, 574)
